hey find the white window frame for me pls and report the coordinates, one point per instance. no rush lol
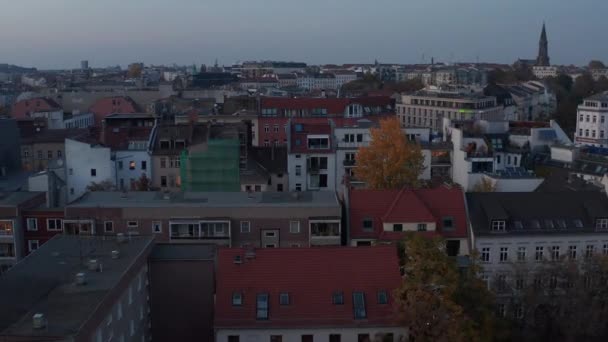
(245, 224)
(499, 225)
(48, 226)
(159, 225)
(601, 223)
(485, 255)
(30, 243)
(130, 225)
(504, 254)
(291, 226)
(521, 254)
(31, 228)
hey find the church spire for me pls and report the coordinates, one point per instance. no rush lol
(543, 49)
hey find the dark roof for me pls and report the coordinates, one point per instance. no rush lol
(44, 282)
(52, 135)
(273, 159)
(183, 252)
(296, 271)
(13, 199)
(537, 212)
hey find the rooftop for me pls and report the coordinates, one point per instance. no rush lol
(144, 199)
(12, 199)
(599, 97)
(44, 282)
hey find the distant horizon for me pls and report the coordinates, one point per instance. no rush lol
(59, 34)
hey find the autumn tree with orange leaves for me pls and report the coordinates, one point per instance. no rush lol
(390, 161)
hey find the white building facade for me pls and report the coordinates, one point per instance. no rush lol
(86, 164)
(591, 123)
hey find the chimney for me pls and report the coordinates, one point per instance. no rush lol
(81, 278)
(38, 321)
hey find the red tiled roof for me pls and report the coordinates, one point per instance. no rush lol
(110, 105)
(24, 108)
(310, 276)
(394, 206)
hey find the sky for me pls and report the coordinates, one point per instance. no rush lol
(50, 34)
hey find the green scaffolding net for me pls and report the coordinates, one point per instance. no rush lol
(215, 169)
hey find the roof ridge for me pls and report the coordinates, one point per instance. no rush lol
(393, 204)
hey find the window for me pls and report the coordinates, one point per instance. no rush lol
(422, 227)
(519, 283)
(39, 154)
(119, 309)
(601, 223)
(538, 256)
(234, 338)
(521, 254)
(554, 253)
(363, 338)
(108, 227)
(132, 224)
(93, 172)
(54, 225)
(33, 245)
(276, 128)
(298, 187)
(578, 223)
(144, 165)
(49, 154)
(132, 165)
(294, 227)
(245, 227)
(262, 306)
(337, 298)
(448, 223)
(382, 297)
(298, 170)
(397, 227)
(368, 224)
(485, 254)
(32, 224)
(589, 250)
(59, 154)
(359, 305)
(572, 252)
(163, 181)
(276, 338)
(504, 254)
(157, 227)
(335, 338)
(237, 299)
(498, 225)
(307, 338)
(284, 298)
(501, 310)
(120, 166)
(266, 128)
(163, 162)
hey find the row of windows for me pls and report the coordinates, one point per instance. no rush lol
(276, 142)
(554, 253)
(337, 298)
(276, 128)
(174, 162)
(595, 104)
(388, 337)
(294, 227)
(49, 154)
(53, 224)
(592, 118)
(592, 135)
(448, 224)
(501, 225)
(108, 226)
(133, 164)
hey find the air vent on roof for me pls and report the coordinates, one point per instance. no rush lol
(38, 321)
(120, 237)
(81, 278)
(123, 194)
(166, 195)
(93, 265)
(115, 254)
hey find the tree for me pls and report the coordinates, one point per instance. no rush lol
(405, 86)
(595, 64)
(105, 185)
(485, 184)
(437, 301)
(390, 161)
(143, 183)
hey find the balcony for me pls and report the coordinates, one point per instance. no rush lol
(352, 144)
(6, 228)
(7, 250)
(349, 162)
(325, 233)
(212, 231)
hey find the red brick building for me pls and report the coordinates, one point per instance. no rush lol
(337, 294)
(41, 224)
(385, 215)
(112, 105)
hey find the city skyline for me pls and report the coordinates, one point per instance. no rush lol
(316, 33)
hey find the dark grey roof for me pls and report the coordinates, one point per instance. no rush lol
(44, 282)
(183, 252)
(12, 199)
(537, 212)
(273, 159)
(599, 97)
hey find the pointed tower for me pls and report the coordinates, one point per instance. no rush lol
(543, 49)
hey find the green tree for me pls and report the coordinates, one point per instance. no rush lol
(439, 302)
(405, 86)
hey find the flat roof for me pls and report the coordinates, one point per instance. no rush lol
(44, 282)
(130, 116)
(11, 199)
(145, 199)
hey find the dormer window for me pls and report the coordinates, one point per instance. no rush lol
(518, 225)
(578, 223)
(448, 223)
(601, 223)
(422, 227)
(368, 224)
(499, 225)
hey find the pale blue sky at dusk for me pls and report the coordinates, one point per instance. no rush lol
(60, 33)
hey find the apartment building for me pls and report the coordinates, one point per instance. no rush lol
(87, 162)
(105, 106)
(591, 125)
(259, 219)
(428, 108)
(41, 224)
(531, 228)
(86, 289)
(260, 295)
(12, 225)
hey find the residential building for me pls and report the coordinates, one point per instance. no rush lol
(260, 297)
(259, 83)
(349, 138)
(178, 315)
(317, 81)
(545, 71)
(86, 289)
(531, 101)
(113, 105)
(40, 147)
(41, 224)
(12, 226)
(591, 123)
(87, 162)
(128, 136)
(569, 167)
(259, 219)
(10, 143)
(428, 108)
(311, 157)
(266, 170)
(287, 80)
(510, 229)
(38, 107)
(379, 216)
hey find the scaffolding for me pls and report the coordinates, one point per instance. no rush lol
(215, 169)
